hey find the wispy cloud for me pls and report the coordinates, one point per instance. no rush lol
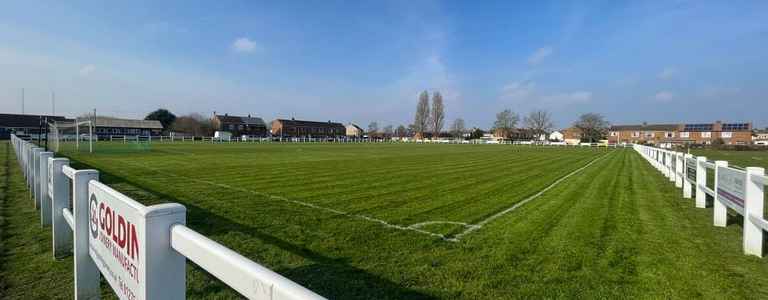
(668, 73)
(539, 55)
(244, 45)
(664, 96)
(87, 70)
(525, 92)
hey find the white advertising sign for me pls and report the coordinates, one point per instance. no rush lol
(116, 240)
(731, 185)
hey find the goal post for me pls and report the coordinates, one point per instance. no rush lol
(71, 133)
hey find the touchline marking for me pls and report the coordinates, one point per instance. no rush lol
(524, 201)
(413, 227)
(302, 203)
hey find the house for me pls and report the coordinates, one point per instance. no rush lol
(299, 128)
(696, 133)
(237, 125)
(354, 130)
(556, 136)
(572, 135)
(760, 137)
(23, 124)
(108, 126)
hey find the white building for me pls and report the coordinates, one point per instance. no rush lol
(556, 136)
(354, 130)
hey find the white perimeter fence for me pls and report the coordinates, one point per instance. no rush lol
(350, 140)
(738, 189)
(140, 250)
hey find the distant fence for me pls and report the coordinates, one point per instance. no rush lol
(140, 250)
(741, 190)
(343, 140)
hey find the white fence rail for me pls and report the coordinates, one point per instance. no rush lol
(741, 190)
(140, 250)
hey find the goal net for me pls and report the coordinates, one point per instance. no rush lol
(77, 136)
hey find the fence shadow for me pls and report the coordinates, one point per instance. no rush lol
(330, 277)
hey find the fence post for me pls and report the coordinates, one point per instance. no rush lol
(753, 208)
(678, 169)
(686, 182)
(701, 180)
(62, 233)
(45, 199)
(720, 210)
(86, 272)
(35, 165)
(671, 167)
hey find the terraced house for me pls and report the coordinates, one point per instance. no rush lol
(299, 128)
(237, 125)
(696, 133)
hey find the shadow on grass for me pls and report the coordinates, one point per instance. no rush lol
(333, 278)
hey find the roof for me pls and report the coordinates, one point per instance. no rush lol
(27, 121)
(309, 123)
(241, 120)
(127, 123)
(645, 127)
(354, 125)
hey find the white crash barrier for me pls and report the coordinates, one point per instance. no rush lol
(741, 190)
(140, 250)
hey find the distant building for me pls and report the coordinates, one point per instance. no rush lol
(572, 135)
(24, 124)
(700, 133)
(107, 126)
(237, 125)
(354, 130)
(556, 136)
(299, 128)
(760, 137)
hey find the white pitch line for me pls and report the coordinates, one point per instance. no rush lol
(413, 228)
(307, 204)
(524, 201)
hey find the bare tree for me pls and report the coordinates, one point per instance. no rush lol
(193, 124)
(401, 131)
(389, 131)
(421, 120)
(539, 122)
(373, 129)
(506, 120)
(593, 127)
(437, 118)
(457, 128)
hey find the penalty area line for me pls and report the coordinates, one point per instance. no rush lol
(495, 216)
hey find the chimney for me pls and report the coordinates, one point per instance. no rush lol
(226, 114)
(249, 115)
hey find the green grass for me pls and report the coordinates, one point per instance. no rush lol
(617, 229)
(756, 158)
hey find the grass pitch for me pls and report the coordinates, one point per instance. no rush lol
(340, 220)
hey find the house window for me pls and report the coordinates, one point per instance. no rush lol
(614, 133)
(669, 134)
(684, 134)
(726, 134)
(649, 134)
(636, 134)
(706, 134)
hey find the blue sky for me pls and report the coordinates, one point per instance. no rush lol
(359, 61)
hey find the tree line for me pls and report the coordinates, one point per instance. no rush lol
(428, 122)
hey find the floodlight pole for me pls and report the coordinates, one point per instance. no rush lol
(77, 135)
